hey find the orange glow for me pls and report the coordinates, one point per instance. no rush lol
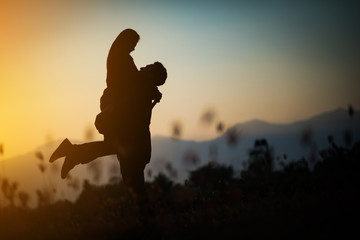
(52, 69)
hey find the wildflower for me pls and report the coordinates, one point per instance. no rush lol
(40, 156)
(171, 170)
(42, 167)
(24, 198)
(149, 173)
(306, 136)
(351, 111)
(232, 136)
(89, 133)
(207, 117)
(220, 127)
(177, 130)
(191, 158)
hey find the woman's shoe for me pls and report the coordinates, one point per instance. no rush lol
(61, 150)
(71, 160)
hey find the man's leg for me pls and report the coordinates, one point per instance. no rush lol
(132, 168)
(136, 186)
(133, 177)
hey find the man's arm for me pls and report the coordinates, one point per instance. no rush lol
(156, 96)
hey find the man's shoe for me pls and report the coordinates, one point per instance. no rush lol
(61, 150)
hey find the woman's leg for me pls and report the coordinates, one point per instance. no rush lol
(85, 153)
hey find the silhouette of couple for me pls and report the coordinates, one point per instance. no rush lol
(126, 106)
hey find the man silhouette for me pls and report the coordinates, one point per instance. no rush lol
(138, 154)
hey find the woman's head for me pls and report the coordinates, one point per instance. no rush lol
(125, 42)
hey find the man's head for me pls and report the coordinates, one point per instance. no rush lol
(155, 72)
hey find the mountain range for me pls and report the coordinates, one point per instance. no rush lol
(295, 141)
(177, 157)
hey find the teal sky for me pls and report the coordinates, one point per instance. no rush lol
(270, 60)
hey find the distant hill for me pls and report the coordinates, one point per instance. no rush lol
(285, 138)
(176, 157)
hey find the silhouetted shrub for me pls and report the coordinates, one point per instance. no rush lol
(211, 176)
(261, 161)
(211, 204)
(163, 182)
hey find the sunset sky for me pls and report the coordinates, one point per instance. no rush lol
(270, 60)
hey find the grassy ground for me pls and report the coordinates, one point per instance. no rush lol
(294, 203)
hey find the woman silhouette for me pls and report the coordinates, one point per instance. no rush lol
(114, 102)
